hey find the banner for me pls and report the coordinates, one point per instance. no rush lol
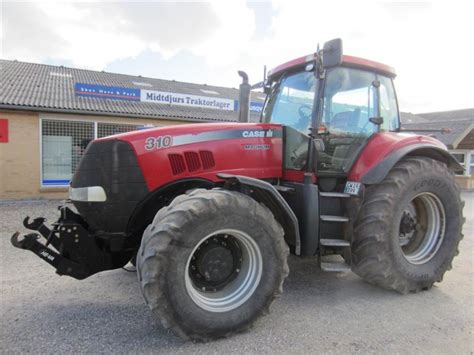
(172, 98)
(106, 92)
(160, 97)
(256, 107)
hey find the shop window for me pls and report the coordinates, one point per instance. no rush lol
(471, 164)
(108, 129)
(63, 144)
(466, 159)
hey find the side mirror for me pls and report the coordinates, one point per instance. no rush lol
(332, 53)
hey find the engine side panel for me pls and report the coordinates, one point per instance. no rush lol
(201, 151)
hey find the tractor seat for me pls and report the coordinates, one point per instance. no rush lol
(341, 120)
(346, 121)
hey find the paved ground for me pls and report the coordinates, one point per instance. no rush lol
(44, 313)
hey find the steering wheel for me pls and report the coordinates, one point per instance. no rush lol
(305, 117)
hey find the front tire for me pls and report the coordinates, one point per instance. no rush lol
(409, 227)
(211, 263)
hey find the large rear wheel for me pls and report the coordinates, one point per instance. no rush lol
(211, 263)
(409, 227)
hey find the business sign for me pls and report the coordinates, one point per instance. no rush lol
(256, 107)
(172, 98)
(160, 97)
(106, 92)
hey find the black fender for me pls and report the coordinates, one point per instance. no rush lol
(267, 194)
(380, 171)
(146, 209)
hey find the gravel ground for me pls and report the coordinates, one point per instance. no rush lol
(45, 313)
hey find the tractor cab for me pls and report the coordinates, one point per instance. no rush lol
(337, 102)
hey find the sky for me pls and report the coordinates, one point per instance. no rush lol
(428, 42)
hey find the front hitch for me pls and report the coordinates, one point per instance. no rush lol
(62, 265)
(77, 252)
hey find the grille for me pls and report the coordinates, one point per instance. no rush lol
(113, 165)
(191, 161)
(177, 163)
(207, 159)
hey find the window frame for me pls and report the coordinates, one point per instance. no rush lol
(95, 132)
(468, 162)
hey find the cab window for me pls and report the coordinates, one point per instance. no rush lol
(349, 102)
(388, 105)
(292, 105)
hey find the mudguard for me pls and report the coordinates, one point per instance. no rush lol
(380, 171)
(385, 149)
(267, 194)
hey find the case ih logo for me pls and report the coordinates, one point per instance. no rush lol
(257, 134)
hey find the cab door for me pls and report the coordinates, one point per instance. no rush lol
(351, 97)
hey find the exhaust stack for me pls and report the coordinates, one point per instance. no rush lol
(244, 97)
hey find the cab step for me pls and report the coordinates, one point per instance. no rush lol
(335, 267)
(334, 194)
(340, 219)
(334, 243)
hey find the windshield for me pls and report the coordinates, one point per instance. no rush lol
(291, 103)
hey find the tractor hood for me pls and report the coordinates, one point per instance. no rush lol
(202, 150)
(118, 172)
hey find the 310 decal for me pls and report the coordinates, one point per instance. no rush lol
(158, 142)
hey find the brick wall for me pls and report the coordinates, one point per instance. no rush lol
(19, 158)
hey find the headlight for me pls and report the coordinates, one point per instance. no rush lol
(87, 194)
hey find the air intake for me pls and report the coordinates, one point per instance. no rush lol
(177, 163)
(207, 159)
(192, 161)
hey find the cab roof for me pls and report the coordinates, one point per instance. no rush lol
(347, 60)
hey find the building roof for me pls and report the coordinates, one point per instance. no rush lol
(52, 88)
(460, 123)
(407, 117)
(464, 114)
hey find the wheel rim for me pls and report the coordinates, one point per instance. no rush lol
(223, 270)
(422, 228)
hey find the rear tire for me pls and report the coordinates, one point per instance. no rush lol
(409, 227)
(211, 263)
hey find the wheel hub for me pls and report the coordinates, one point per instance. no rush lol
(215, 263)
(223, 270)
(408, 226)
(422, 228)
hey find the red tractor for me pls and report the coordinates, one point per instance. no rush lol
(210, 212)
